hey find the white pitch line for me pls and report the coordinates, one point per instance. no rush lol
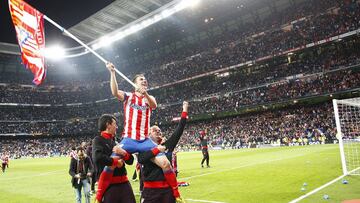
(191, 200)
(243, 166)
(321, 187)
(35, 175)
(200, 200)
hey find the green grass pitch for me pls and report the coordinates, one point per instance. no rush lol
(246, 175)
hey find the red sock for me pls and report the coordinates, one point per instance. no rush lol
(170, 178)
(103, 183)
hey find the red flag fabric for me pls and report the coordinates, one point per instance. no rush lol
(29, 26)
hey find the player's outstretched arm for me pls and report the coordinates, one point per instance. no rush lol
(175, 137)
(113, 83)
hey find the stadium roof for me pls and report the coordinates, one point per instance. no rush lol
(114, 16)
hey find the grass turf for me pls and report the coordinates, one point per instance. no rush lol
(246, 175)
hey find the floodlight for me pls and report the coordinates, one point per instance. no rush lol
(54, 52)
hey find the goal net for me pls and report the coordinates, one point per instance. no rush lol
(347, 118)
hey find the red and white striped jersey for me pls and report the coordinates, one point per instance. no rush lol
(136, 117)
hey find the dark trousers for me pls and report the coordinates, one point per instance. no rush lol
(93, 181)
(205, 153)
(157, 195)
(3, 166)
(119, 193)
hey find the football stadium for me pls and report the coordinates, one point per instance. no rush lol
(174, 101)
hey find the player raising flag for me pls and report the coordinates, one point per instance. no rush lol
(137, 111)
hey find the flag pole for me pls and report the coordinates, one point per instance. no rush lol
(87, 47)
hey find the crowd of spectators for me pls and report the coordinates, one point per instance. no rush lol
(78, 94)
(68, 127)
(260, 83)
(328, 72)
(315, 61)
(40, 147)
(314, 85)
(309, 124)
(288, 126)
(251, 46)
(62, 113)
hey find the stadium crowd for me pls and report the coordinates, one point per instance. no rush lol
(264, 73)
(288, 79)
(69, 127)
(326, 75)
(311, 86)
(303, 125)
(253, 45)
(44, 147)
(306, 125)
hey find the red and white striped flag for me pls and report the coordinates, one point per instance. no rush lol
(29, 26)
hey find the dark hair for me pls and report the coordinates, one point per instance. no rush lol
(136, 76)
(104, 120)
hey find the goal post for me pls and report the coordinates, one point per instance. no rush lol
(347, 119)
